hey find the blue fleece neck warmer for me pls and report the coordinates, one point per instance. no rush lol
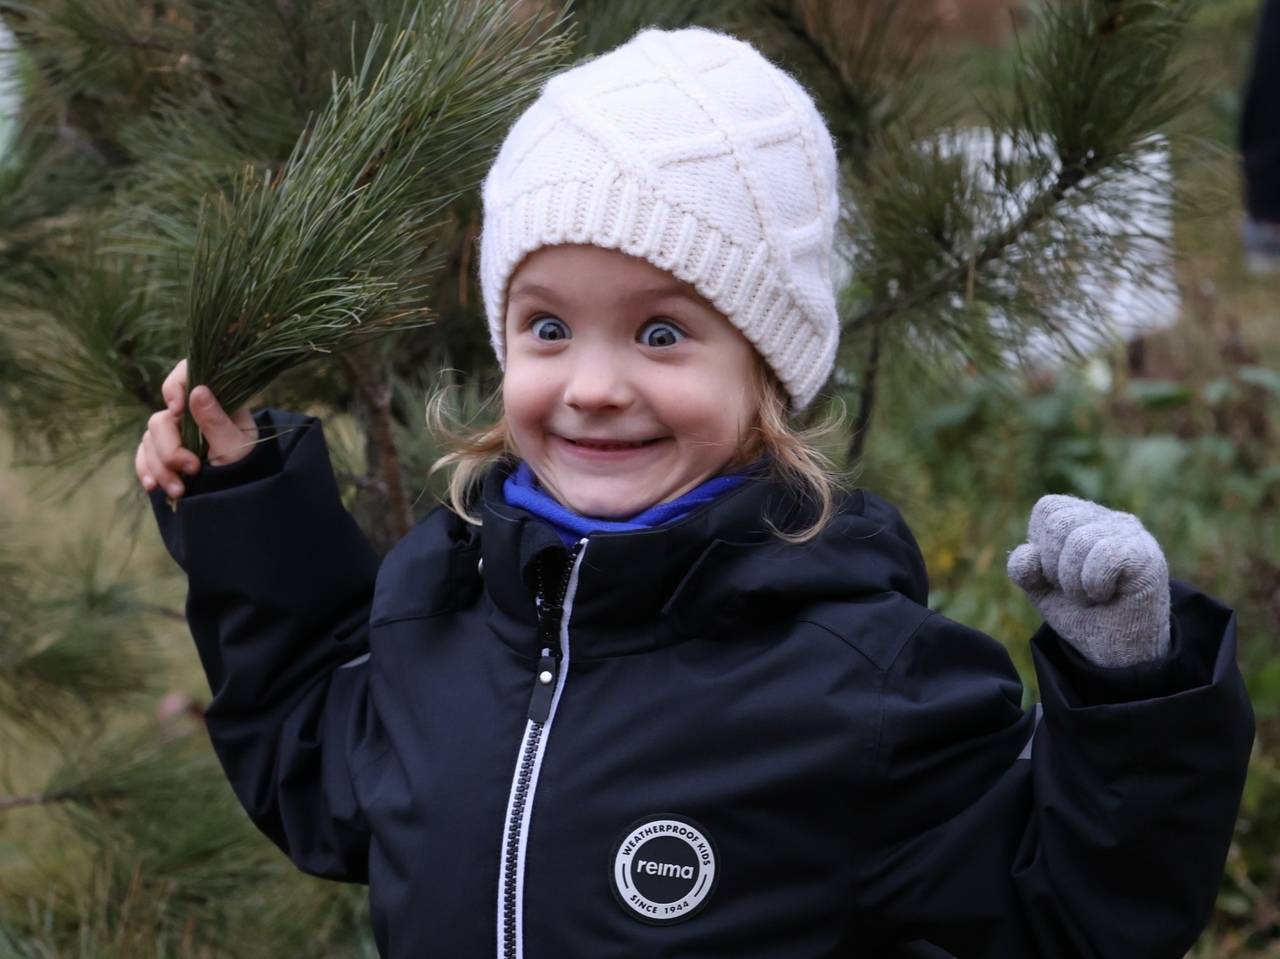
(522, 489)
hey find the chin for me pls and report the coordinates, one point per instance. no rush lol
(607, 507)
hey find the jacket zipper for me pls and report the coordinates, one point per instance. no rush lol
(548, 684)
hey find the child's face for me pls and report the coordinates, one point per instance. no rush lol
(602, 346)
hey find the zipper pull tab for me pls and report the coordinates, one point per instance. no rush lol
(544, 686)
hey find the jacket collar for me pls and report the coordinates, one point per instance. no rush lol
(701, 575)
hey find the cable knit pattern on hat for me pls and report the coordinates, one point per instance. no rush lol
(689, 149)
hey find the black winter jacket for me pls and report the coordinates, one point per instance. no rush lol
(691, 741)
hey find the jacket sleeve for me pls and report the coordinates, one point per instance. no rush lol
(1100, 830)
(280, 581)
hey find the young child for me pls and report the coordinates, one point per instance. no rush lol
(653, 685)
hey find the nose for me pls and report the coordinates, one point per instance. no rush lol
(598, 379)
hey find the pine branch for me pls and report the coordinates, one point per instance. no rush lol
(89, 346)
(71, 643)
(8, 803)
(983, 255)
(605, 24)
(960, 275)
(863, 59)
(866, 401)
(330, 252)
(170, 858)
(97, 61)
(42, 180)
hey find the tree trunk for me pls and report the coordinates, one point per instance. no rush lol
(381, 498)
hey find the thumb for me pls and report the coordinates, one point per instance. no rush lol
(1026, 571)
(244, 422)
(227, 438)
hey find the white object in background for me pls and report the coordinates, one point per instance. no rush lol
(1131, 298)
(8, 87)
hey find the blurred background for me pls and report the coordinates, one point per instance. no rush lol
(1044, 289)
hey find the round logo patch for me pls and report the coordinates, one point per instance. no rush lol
(664, 868)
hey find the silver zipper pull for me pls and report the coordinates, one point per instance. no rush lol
(544, 686)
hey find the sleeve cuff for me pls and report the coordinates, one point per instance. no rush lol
(1189, 663)
(1095, 685)
(263, 460)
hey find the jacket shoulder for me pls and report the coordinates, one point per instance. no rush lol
(874, 548)
(876, 627)
(430, 571)
(877, 510)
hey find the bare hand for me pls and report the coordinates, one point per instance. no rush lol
(161, 455)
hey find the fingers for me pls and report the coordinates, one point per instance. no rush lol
(162, 470)
(1053, 519)
(166, 441)
(161, 457)
(1099, 573)
(1082, 554)
(1093, 553)
(174, 387)
(229, 439)
(1082, 543)
(1124, 564)
(141, 467)
(1104, 548)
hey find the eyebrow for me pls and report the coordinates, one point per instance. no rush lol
(651, 292)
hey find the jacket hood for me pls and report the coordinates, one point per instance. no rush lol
(716, 567)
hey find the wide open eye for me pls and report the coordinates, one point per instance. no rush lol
(549, 329)
(659, 333)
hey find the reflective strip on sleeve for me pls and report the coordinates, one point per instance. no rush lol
(355, 662)
(1026, 750)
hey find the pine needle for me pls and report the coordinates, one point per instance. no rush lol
(335, 248)
(73, 646)
(977, 244)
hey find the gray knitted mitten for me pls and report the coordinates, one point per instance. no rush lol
(1098, 578)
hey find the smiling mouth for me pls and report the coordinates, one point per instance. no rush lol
(609, 444)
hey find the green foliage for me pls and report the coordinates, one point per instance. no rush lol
(55, 623)
(296, 176)
(971, 246)
(179, 870)
(1097, 80)
(604, 24)
(968, 459)
(1233, 17)
(862, 63)
(153, 855)
(330, 251)
(1195, 458)
(40, 179)
(93, 50)
(86, 343)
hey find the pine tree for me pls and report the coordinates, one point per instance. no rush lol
(285, 191)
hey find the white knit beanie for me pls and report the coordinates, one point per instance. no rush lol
(689, 149)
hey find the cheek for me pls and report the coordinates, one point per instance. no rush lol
(527, 397)
(710, 405)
